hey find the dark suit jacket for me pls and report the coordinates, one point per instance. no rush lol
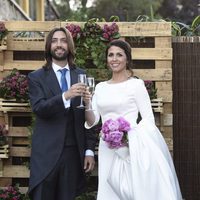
(50, 125)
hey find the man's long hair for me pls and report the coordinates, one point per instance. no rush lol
(70, 43)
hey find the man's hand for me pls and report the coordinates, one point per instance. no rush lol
(89, 163)
(77, 89)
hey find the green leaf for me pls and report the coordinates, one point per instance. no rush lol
(114, 18)
(196, 22)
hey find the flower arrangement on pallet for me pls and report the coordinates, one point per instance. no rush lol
(14, 86)
(14, 92)
(91, 40)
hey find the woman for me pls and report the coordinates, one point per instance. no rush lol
(151, 172)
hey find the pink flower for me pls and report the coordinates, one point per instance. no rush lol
(114, 132)
(124, 125)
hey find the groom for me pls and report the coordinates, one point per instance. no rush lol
(62, 149)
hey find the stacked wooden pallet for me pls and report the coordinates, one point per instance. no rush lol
(20, 51)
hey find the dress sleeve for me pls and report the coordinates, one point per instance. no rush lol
(143, 102)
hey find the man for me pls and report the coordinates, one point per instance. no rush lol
(62, 149)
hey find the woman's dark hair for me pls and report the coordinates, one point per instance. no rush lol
(70, 43)
(127, 49)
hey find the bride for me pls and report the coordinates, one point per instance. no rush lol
(144, 170)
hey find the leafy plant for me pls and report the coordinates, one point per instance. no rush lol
(91, 40)
(181, 29)
(14, 86)
(3, 30)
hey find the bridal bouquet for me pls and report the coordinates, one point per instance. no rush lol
(114, 132)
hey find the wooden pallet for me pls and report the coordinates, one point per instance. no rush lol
(157, 105)
(4, 151)
(12, 106)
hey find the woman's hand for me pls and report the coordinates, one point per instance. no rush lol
(87, 97)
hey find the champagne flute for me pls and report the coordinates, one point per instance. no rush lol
(91, 85)
(82, 79)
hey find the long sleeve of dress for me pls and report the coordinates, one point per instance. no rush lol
(143, 102)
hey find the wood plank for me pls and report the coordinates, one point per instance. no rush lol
(168, 108)
(163, 42)
(28, 45)
(24, 65)
(8, 56)
(31, 25)
(4, 151)
(152, 53)
(20, 141)
(163, 64)
(154, 74)
(168, 132)
(20, 151)
(166, 95)
(163, 85)
(16, 171)
(19, 132)
(5, 182)
(168, 119)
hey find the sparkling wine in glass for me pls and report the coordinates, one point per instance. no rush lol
(82, 79)
(91, 86)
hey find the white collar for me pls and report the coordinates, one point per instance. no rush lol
(56, 67)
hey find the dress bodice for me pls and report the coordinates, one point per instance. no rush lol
(124, 99)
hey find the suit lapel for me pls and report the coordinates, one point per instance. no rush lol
(52, 82)
(73, 75)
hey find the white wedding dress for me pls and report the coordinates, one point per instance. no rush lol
(152, 170)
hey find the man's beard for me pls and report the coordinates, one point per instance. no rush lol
(59, 57)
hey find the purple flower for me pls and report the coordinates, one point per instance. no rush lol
(123, 124)
(15, 85)
(114, 132)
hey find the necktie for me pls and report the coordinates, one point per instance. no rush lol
(64, 85)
